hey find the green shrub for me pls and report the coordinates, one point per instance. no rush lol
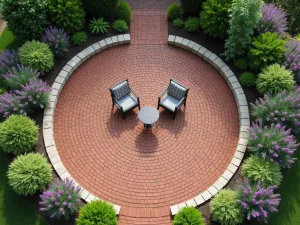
(214, 18)
(178, 23)
(192, 24)
(245, 15)
(67, 14)
(225, 209)
(120, 26)
(97, 212)
(297, 37)
(27, 19)
(2, 91)
(100, 8)
(174, 11)
(98, 26)
(36, 55)
(188, 216)
(79, 38)
(191, 7)
(257, 169)
(29, 173)
(18, 134)
(242, 63)
(124, 11)
(266, 49)
(248, 79)
(274, 79)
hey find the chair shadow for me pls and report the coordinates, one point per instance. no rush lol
(146, 142)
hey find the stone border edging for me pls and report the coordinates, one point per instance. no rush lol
(49, 112)
(244, 119)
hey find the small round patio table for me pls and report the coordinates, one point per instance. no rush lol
(148, 115)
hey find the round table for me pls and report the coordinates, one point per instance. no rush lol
(148, 115)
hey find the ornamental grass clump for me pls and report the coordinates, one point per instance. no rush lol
(8, 60)
(61, 201)
(273, 143)
(20, 75)
(10, 103)
(258, 202)
(190, 216)
(225, 209)
(57, 40)
(273, 20)
(292, 55)
(18, 134)
(98, 26)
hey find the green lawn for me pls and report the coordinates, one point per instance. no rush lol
(7, 40)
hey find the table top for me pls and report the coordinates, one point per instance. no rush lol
(148, 115)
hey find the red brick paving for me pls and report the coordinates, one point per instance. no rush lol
(150, 4)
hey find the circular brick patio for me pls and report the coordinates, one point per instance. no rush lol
(118, 160)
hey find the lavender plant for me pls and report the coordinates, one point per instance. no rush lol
(20, 75)
(258, 202)
(8, 59)
(10, 103)
(283, 107)
(57, 39)
(292, 55)
(273, 20)
(61, 201)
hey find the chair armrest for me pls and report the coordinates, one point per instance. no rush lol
(117, 104)
(162, 93)
(180, 103)
(133, 92)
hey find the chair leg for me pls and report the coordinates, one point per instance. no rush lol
(123, 114)
(174, 115)
(185, 103)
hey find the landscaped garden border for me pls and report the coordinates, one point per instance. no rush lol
(49, 112)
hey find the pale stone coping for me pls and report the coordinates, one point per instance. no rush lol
(244, 119)
(49, 112)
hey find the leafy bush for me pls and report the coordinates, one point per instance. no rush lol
(67, 14)
(240, 31)
(120, 26)
(61, 200)
(124, 11)
(292, 55)
(248, 79)
(100, 8)
(273, 20)
(178, 23)
(57, 40)
(258, 202)
(10, 103)
(257, 169)
(2, 91)
(18, 134)
(98, 26)
(8, 60)
(192, 24)
(174, 11)
(225, 209)
(214, 18)
(29, 173)
(273, 143)
(97, 212)
(242, 63)
(27, 19)
(190, 216)
(266, 49)
(36, 55)
(19, 76)
(79, 38)
(191, 7)
(297, 37)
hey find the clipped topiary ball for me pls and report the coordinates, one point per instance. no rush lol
(18, 134)
(28, 174)
(188, 216)
(124, 11)
(79, 38)
(174, 11)
(97, 212)
(178, 23)
(242, 63)
(248, 79)
(225, 209)
(120, 26)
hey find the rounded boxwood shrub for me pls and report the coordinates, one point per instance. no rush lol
(191, 7)
(120, 26)
(124, 11)
(79, 38)
(225, 209)
(29, 173)
(274, 79)
(242, 63)
(214, 18)
(192, 24)
(100, 8)
(188, 216)
(36, 55)
(178, 23)
(248, 79)
(174, 11)
(257, 169)
(18, 134)
(97, 212)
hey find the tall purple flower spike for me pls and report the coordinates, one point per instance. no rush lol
(292, 55)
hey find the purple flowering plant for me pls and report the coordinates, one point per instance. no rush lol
(8, 60)
(283, 108)
(61, 201)
(273, 20)
(10, 103)
(273, 143)
(258, 202)
(292, 55)
(57, 40)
